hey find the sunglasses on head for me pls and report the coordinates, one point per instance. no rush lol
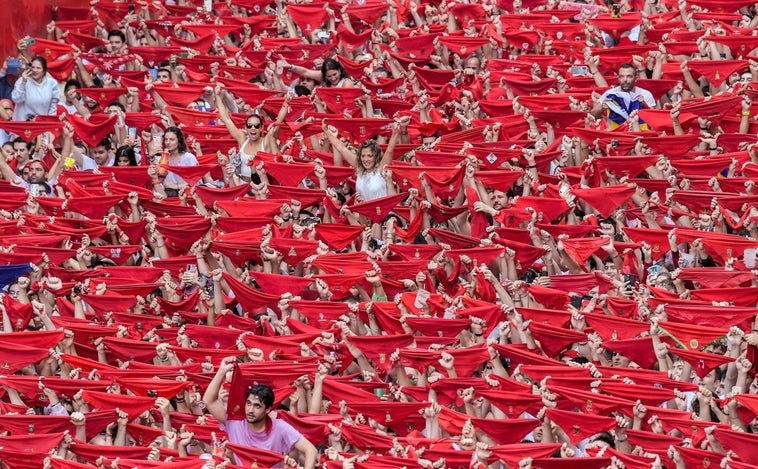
(250, 126)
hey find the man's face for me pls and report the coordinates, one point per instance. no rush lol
(164, 75)
(116, 44)
(101, 155)
(255, 410)
(471, 66)
(22, 152)
(499, 200)
(36, 173)
(627, 79)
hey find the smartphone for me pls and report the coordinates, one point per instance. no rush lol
(131, 132)
(34, 190)
(629, 281)
(191, 268)
(30, 42)
(579, 70)
(14, 66)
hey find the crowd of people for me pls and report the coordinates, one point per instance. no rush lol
(379, 234)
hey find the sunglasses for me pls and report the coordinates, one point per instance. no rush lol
(256, 126)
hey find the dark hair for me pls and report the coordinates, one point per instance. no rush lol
(117, 104)
(301, 90)
(259, 117)
(627, 65)
(182, 144)
(605, 437)
(164, 69)
(44, 188)
(331, 64)
(72, 82)
(21, 140)
(106, 142)
(117, 32)
(127, 151)
(262, 392)
(41, 61)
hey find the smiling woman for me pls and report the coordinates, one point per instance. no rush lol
(36, 92)
(368, 162)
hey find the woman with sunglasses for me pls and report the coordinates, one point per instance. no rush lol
(252, 138)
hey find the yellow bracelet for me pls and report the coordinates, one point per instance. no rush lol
(746, 113)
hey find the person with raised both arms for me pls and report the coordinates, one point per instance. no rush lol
(257, 429)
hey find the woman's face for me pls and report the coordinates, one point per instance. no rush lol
(170, 141)
(254, 128)
(37, 71)
(367, 159)
(123, 160)
(333, 76)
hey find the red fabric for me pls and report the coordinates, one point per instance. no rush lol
(581, 249)
(716, 71)
(512, 454)
(29, 130)
(308, 17)
(357, 130)
(338, 236)
(605, 199)
(50, 50)
(132, 405)
(702, 363)
(740, 442)
(179, 94)
(191, 174)
(639, 351)
(103, 96)
(94, 130)
(463, 45)
(579, 426)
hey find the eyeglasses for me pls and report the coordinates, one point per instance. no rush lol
(8, 108)
(254, 126)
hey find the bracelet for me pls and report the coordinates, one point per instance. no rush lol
(531, 166)
(619, 440)
(479, 335)
(745, 113)
(179, 400)
(161, 246)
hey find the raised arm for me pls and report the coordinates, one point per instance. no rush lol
(343, 152)
(213, 402)
(223, 113)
